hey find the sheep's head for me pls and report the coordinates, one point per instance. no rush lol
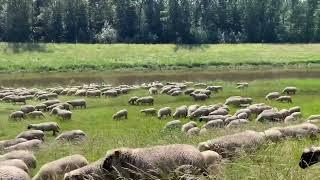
(29, 126)
(113, 160)
(309, 157)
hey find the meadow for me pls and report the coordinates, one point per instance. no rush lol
(272, 161)
(100, 57)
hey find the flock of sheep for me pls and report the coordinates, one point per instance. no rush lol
(17, 157)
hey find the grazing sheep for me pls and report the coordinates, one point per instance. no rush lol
(56, 170)
(51, 102)
(133, 100)
(92, 171)
(145, 100)
(16, 163)
(164, 112)
(110, 93)
(213, 117)
(19, 99)
(64, 114)
(273, 95)
(186, 127)
(176, 93)
(287, 99)
(28, 145)
(195, 131)
(41, 107)
(299, 130)
(309, 157)
(11, 142)
(237, 123)
(42, 97)
(268, 115)
(243, 116)
(192, 108)
(65, 106)
(181, 112)
(149, 111)
(211, 157)
(189, 91)
(13, 173)
(242, 85)
(93, 93)
(17, 115)
(46, 126)
(220, 111)
(145, 163)
(229, 119)
(153, 91)
(215, 88)
(78, 103)
(273, 135)
(290, 90)
(27, 109)
(74, 135)
(199, 97)
(213, 124)
(283, 113)
(120, 114)
(201, 111)
(289, 119)
(172, 125)
(238, 101)
(297, 115)
(36, 114)
(228, 145)
(26, 156)
(31, 134)
(295, 109)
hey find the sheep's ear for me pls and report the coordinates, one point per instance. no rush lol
(107, 164)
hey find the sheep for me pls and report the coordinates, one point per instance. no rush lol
(19, 99)
(201, 111)
(51, 102)
(153, 91)
(93, 93)
(176, 124)
(243, 116)
(309, 157)
(295, 109)
(273, 135)
(16, 163)
(80, 92)
(189, 91)
(12, 173)
(289, 119)
(238, 101)
(213, 124)
(65, 106)
(242, 85)
(228, 145)
(120, 114)
(199, 97)
(211, 158)
(28, 145)
(149, 111)
(64, 114)
(36, 114)
(290, 90)
(74, 135)
(11, 142)
(164, 112)
(78, 103)
(46, 126)
(145, 100)
(214, 88)
(17, 115)
(287, 99)
(192, 108)
(237, 123)
(181, 112)
(42, 97)
(110, 93)
(57, 169)
(41, 107)
(26, 156)
(145, 163)
(268, 115)
(31, 134)
(296, 115)
(133, 100)
(220, 111)
(176, 93)
(91, 171)
(27, 109)
(272, 96)
(213, 117)
(314, 117)
(186, 127)
(283, 113)
(195, 131)
(229, 119)
(299, 130)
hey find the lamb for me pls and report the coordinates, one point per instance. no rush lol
(164, 112)
(133, 100)
(186, 127)
(16, 163)
(57, 169)
(120, 114)
(27, 109)
(153, 91)
(17, 115)
(78, 103)
(176, 124)
(290, 90)
(228, 145)
(181, 112)
(273, 95)
(199, 97)
(145, 163)
(46, 126)
(26, 156)
(91, 171)
(287, 99)
(11, 142)
(145, 100)
(149, 111)
(31, 134)
(74, 135)
(309, 157)
(237, 123)
(13, 173)
(28, 145)
(36, 114)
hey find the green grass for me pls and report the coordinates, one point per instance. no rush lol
(81, 57)
(272, 161)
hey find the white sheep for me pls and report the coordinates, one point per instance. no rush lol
(46, 126)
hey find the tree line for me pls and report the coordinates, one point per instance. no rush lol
(160, 21)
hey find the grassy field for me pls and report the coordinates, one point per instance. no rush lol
(81, 57)
(272, 161)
